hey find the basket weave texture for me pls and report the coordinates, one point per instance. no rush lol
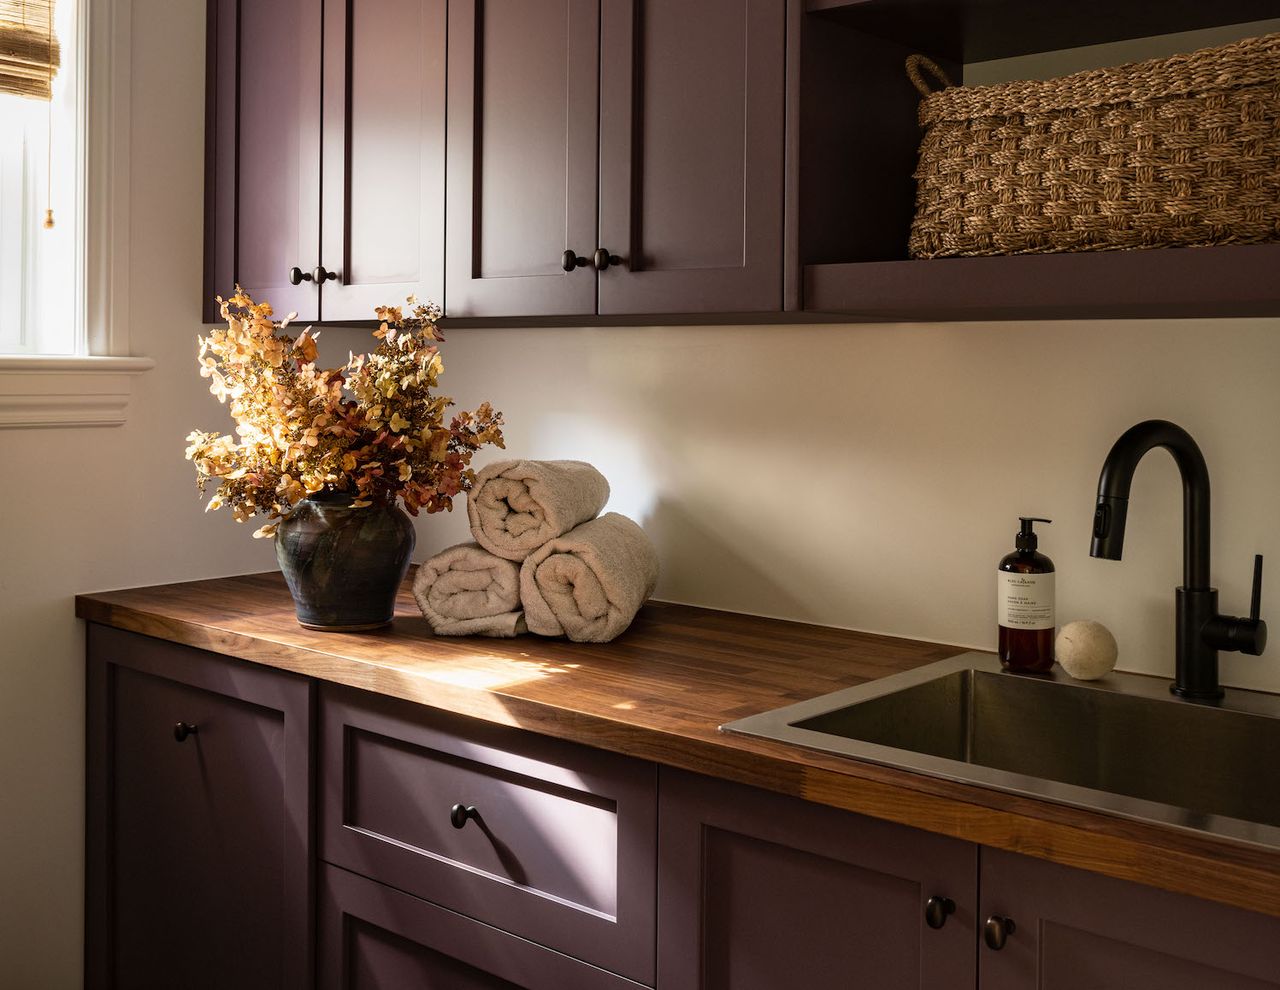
(1179, 151)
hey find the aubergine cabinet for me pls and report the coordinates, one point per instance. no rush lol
(623, 157)
(325, 170)
(252, 828)
(199, 859)
(1074, 930)
(759, 891)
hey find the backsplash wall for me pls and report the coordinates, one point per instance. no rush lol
(871, 476)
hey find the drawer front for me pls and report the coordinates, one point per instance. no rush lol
(376, 938)
(560, 847)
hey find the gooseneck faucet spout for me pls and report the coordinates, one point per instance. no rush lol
(1113, 496)
(1201, 631)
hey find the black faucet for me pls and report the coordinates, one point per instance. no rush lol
(1202, 632)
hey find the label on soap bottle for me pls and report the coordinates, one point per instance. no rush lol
(1025, 600)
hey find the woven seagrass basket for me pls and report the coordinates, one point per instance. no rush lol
(1172, 152)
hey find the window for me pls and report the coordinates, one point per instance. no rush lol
(64, 147)
(41, 276)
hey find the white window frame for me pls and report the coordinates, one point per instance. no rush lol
(91, 388)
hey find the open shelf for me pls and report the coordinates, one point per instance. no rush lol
(978, 30)
(857, 150)
(1233, 280)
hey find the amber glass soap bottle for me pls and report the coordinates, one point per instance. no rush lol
(1024, 595)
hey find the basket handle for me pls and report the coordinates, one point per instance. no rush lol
(917, 62)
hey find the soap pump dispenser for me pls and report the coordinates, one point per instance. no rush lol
(1025, 604)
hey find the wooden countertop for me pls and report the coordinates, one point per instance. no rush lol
(660, 692)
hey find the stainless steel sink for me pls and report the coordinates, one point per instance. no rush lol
(1123, 745)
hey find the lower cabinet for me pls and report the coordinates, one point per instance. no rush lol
(456, 854)
(761, 892)
(1073, 930)
(373, 937)
(198, 859)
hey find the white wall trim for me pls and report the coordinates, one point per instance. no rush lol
(80, 390)
(40, 391)
(107, 127)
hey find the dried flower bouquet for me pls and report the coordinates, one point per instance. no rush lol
(372, 427)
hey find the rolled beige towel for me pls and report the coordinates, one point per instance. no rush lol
(517, 506)
(467, 591)
(589, 583)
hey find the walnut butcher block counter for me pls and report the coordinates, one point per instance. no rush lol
(661, 691)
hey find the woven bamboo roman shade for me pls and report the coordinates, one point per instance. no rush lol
(29, 53)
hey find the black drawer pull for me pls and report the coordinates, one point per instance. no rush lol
(297, 276)
(937, 910)
(183, 729)
(459, 814)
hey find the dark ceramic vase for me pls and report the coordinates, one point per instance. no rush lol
(344, 565)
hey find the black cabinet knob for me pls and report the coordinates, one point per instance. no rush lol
(297, 276)
(460, 814)
(602, 259)
(997, 931)
(571, 260)
(937, 910)
(183, 729)
(322, 275)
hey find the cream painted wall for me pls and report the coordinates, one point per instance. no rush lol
(862, 476)
(871, 476)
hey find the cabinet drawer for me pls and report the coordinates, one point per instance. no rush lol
(375, 938)
(561, 849)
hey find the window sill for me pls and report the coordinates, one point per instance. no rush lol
(44, 390)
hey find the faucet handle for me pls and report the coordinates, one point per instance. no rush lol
(1255, 602)
(1227, 632)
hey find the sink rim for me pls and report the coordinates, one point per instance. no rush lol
(779, 724)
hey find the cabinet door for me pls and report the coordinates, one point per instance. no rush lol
(376, 938)
(384, 79)
(691, 155)
(757, 891)
(523, 88)
(198, 864)
(263, 152)
(1080, 931)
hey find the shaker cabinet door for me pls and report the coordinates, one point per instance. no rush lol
(383, 195)
(1074, 930)
(691, 155)
(199, 855)
(263, 149)
(757, 891)
(522, 129)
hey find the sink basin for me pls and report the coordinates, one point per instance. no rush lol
(1122, 745)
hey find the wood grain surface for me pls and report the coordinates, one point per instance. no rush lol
(661, 691)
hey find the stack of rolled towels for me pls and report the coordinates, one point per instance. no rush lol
(543, 560)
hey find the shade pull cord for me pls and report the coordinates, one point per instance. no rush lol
(48, 179)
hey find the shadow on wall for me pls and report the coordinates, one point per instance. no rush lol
(721, 563)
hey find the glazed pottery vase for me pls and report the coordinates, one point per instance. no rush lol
(344, 564)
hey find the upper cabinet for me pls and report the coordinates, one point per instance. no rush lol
(263, 152)
(617, 158)
(523, 106)
(369, 232)
(582, 161)
(692, 100)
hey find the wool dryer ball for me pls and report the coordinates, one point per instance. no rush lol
(1086, 650)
